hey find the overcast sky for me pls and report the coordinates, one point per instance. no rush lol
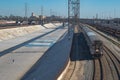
(89, 8)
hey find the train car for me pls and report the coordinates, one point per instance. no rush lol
(94, 43)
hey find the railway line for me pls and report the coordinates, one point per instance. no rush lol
(114, 63)
(108, 64)
(106, 67)
(71, 69)
(76, 64)
(98, 70)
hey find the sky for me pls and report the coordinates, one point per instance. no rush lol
(88, 8)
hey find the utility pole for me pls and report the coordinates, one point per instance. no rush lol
(50, 12)
(41, 10)
(50, 15)
(42, 14)
(26, 11)
(96, 16)
(114, 13)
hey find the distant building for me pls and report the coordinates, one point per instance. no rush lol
(37, 17)
(33, 15)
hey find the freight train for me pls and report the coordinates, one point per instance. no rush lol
(94, 43)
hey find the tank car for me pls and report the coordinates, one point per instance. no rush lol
(94, 43)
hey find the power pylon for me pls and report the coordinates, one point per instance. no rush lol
(73, 11)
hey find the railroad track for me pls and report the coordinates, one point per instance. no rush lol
(75, 66)
(70, 71)
(114, 63)
(73, 63)
(107, 67)
(98, 70)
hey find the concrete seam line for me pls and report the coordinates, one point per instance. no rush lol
(64, 71)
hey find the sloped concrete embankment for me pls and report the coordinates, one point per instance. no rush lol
(10, 33)
(52, 25)
(6, 34)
